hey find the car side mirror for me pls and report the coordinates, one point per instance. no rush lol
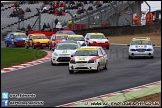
(72, 55)
(107, 38)
(153, 44)
(30, 39)
(128, 45)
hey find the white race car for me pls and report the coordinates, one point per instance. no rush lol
(79, 38)
(141, 46)
(88, 58)
(63, 51)
(97, 39)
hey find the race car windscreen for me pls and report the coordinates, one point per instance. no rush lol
(40, 37)
(86, 53)
(20, 36)
(140, 42)
(98, 37)
(66, 46)
(61, 37)
(76, 39)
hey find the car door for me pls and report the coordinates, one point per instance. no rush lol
(101, 57)
(11, 39)
(105, 58)
(7, 39)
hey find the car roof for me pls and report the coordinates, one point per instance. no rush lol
(17, 32)
(75, 36)
(61, 34)
(37, 34)
(89, 48)
(96, 33)
(141, 38)
(68, 41)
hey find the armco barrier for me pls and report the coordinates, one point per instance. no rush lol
(121, 30)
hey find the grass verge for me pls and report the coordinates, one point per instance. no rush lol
(12, 56)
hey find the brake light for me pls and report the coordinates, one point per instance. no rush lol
(94, 58)
(106, 42)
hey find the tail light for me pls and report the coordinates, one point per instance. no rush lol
(106, 42)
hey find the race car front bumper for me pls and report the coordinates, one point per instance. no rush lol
(146, 53)
(83, 66)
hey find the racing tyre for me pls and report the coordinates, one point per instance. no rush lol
(152, 57)
(26, 47)
(6, 44)
(129, 57)
(107, 48)
(33, 47)
(15, 44)
(49, 47)
(106, 66)
(71, 71)
(52, 63)
(98, 68)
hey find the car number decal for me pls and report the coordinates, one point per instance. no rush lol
(64, 51)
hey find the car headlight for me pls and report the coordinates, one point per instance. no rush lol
(55, 54)
(149, 50)
(132, 49)
(72, 61)
(91, 61)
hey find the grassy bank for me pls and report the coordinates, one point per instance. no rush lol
(13, 56)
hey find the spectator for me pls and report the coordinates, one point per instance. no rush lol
(85, 2)
(69, 22)
(91, 2)
(48, 26)
(28, 9)
(23, 28)
(12, 14)
(90, 8)
(29, 27)
(44, 10)
(60, 13)
(44, 26)
(51, 10)
(56, 21)
(97, 4)
(62, 4)
(79, 4)
(75, 15)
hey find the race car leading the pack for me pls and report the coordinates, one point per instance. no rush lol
(36, 40)
(15, 39)
(63, 51)
(88, 58)
(140, 47)
(97, 39)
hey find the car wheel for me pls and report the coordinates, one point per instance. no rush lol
(106, 65)
(15, 44)
(6, 44)
(33, 47)
(129, 57)
(98, 68)
(49, 47)
(52, 63)
(152, 57)
(26, 47)
(71, 71)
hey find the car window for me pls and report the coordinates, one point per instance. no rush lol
(98, 37)
(40, 37)
(100, 52)
(66, 46)
(141, 42)
(86, 53)
(61, 37)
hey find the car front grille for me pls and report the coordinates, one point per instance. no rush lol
(140, 50)
(63, 59)
(81, 61)
(81, 68)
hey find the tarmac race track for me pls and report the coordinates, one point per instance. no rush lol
(55, 86)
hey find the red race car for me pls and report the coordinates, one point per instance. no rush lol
(56, 38)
